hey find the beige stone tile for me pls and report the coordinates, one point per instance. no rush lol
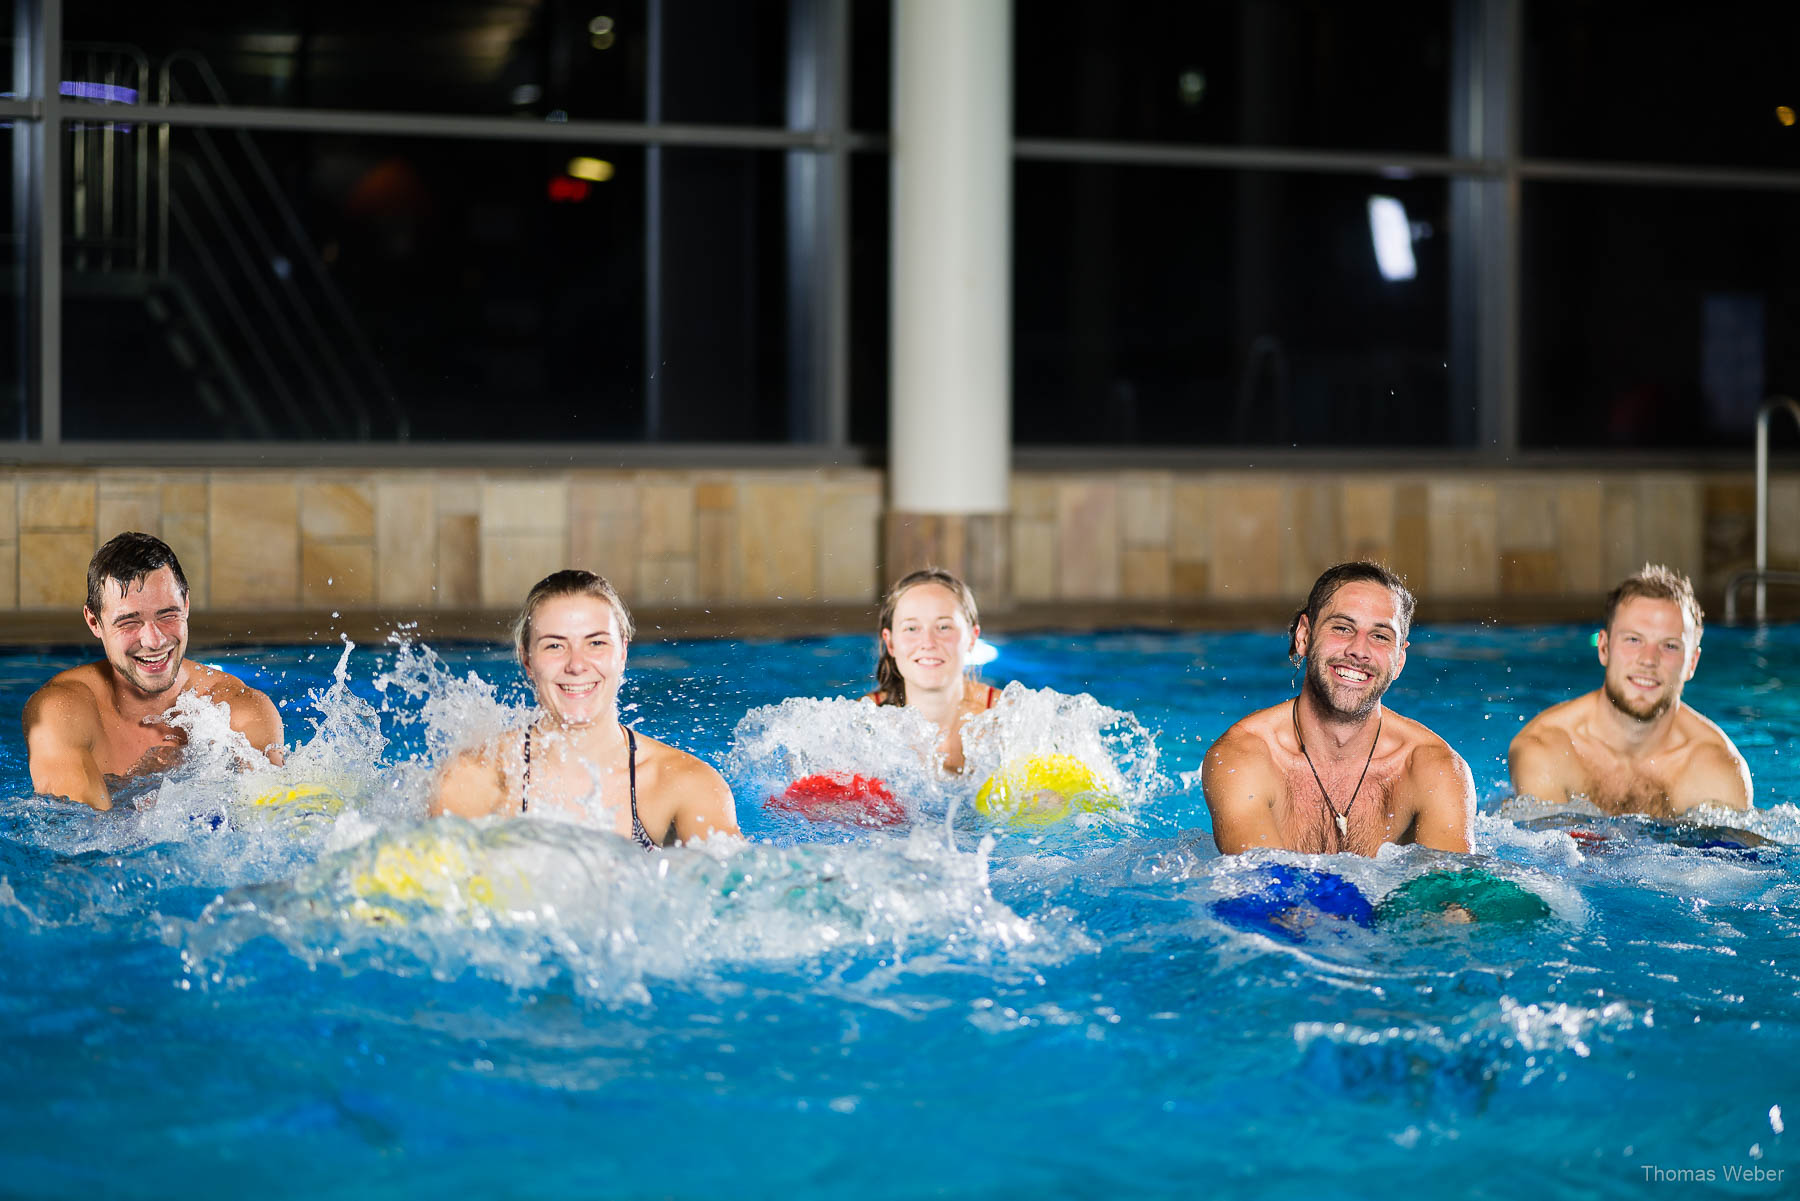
(9, 576)
(337, 509)
(512, 562)
(716, 575)
(1144, 573)
(127, 508)
(1580, 536)
(668, 581)
(337, 574)
(459, 560)
(1462, 524)
(849, 533)
(1530, 573)
(666, 520)
(1247, 538)
(1527, 510)
(405, 542)
(184, 495)
(1624, 552)
(255, 543)
(603, 530)
(9, 505)
(603, 493)
(1033, 558)
(1784, 524)
(1146, 502)
(458, 495)
(1034, 497)
(528, 506)
(57, 503)
(1368, 520)
(1190, 521)
(1671, 521)
(53, 568)
(1190, 580)
(1087, 538)
(715, 496)
(777, 538)
(186, 535)
(1412, 537)
(1314, 538)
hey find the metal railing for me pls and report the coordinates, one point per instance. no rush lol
(1761, 574)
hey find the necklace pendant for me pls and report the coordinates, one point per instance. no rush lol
(1343, 824)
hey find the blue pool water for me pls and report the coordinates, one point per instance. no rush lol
(206, 998)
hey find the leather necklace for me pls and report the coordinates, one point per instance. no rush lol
(1343, 819)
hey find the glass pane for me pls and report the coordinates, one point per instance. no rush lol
(1662, 83)
(18, 417)
(871, 64)
(1301, 73)
(870, 199)
(323, 287)
(1655, 316)
(455, 56)
(1161, 306)
(728, 63)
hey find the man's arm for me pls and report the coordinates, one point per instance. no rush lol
(255, 717)
(1716, 775)
(1241, 786)
(1541, 764)
(61, 726)
(703, 802)
(1443, 798)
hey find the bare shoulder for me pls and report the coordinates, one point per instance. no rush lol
(675, 767)
(253, 714)
(1246, 749)
(1550, 730)
(473, 782)
(1716, 772)
(689, 797)
(1428, 756)
(66, 706)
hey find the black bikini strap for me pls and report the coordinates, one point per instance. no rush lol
(525, 783)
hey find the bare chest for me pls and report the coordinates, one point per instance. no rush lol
(128, 748)
(579, 791)
(1308, 817)
(1615, 784)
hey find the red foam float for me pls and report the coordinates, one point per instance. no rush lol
(840, 796)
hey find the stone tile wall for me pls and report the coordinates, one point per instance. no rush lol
(1246, 536)
(295, 539)
(292, 539)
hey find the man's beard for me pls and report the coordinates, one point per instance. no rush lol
(1318, 685)
(1651, 712)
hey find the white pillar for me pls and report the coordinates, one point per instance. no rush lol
(950, 388)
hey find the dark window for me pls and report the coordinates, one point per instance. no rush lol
(1161, 306)
(1655, 316)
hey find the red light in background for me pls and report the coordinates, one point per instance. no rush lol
(564, 190)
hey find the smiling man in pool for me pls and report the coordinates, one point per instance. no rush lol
(1332, 770)
(93, 726)
(1632, 746)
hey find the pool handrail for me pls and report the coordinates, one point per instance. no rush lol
(1761, 573)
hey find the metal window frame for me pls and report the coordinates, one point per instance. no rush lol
(1484, 97)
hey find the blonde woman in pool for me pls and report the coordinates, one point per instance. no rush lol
(571, 637)
(928, 630)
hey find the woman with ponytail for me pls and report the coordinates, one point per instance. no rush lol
(928, 629)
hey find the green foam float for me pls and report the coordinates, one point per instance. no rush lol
(1481, 894)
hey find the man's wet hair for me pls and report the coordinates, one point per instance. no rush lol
(570, 582)
(1326, 586)
(1657, 582)
(129, 558)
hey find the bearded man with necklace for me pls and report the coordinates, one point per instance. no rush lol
(1332, 769)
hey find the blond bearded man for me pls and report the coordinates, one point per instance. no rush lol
(1632, 745)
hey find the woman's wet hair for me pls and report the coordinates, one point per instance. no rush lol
(571, 582)
(1334, 578)
(129, 558)
(1656, 582)
(889, 684)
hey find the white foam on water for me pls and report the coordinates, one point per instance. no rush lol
(776, 744)
(1027, 722)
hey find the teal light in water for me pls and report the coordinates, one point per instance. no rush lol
(1595, 640)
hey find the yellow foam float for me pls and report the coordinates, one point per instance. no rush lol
(424, 871)
(1042, 790)
(301, 799)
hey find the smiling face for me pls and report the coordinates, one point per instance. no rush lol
(576, 658)
(143, 630)
(931, 637)
(1356, 650)
(1649, 652)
